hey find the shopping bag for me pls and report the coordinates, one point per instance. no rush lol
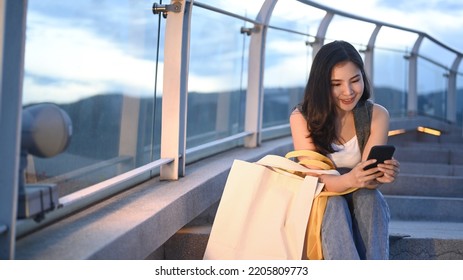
(263, 212)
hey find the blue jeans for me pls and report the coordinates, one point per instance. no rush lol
(356, 226)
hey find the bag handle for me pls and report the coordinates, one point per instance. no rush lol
(290, 166)
(312, 158)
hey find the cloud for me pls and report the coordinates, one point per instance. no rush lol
(289, 72)
(80, 62)
(287, 62)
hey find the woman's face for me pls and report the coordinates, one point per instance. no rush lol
(346, 85)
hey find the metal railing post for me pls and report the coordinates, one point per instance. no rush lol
(175, 89)
(452, 90)
(412, 104)
(370, 55)
(12, 30)
(255, 91)
(321, 33)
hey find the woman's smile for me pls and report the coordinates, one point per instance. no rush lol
(347, 101)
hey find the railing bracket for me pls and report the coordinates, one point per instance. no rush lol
(175, 7)
(248, 31)
(3, 229)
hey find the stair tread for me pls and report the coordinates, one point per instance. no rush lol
(423, 197)
(426, 229)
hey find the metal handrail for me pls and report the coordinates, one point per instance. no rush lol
(220, 11)
(105, 185)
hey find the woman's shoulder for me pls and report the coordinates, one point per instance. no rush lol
(297, 118)
(372, 108)
(380, 113)
(379, 109)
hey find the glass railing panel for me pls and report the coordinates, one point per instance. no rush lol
(390, 74)
(432, 89)
(217, 79)
(288, 58)
(436, 53)
(437, 61)
(390, 80)
(394, 39)
(97, 61)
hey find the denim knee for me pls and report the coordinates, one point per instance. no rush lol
(337, 203)
(367, 199)
(336, 208)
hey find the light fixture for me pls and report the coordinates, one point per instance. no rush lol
(46, 131)
(428, 130)
(396, 132)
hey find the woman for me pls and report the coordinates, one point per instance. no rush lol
(355, 226)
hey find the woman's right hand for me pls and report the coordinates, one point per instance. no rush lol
(360, 178)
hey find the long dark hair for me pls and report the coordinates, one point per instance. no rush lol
(318, 106)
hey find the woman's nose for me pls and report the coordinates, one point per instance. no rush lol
(347, 90)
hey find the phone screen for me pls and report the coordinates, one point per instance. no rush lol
(380, 153)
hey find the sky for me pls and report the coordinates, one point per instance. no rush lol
(97, 47)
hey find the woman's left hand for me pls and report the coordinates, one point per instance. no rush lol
(390, 169)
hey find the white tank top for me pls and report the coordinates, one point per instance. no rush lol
(347, 155)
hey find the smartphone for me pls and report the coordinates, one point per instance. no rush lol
(380, 153)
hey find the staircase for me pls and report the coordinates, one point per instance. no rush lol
(426, 203)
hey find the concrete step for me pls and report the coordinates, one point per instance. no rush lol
(424, 240)
(422, 155)
(420, 208)
(430, 169)
(424, 185)
(189, 243)
(425, 154)
(455, 138)
(438, 145)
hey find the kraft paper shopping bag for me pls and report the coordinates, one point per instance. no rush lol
(263, 212)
